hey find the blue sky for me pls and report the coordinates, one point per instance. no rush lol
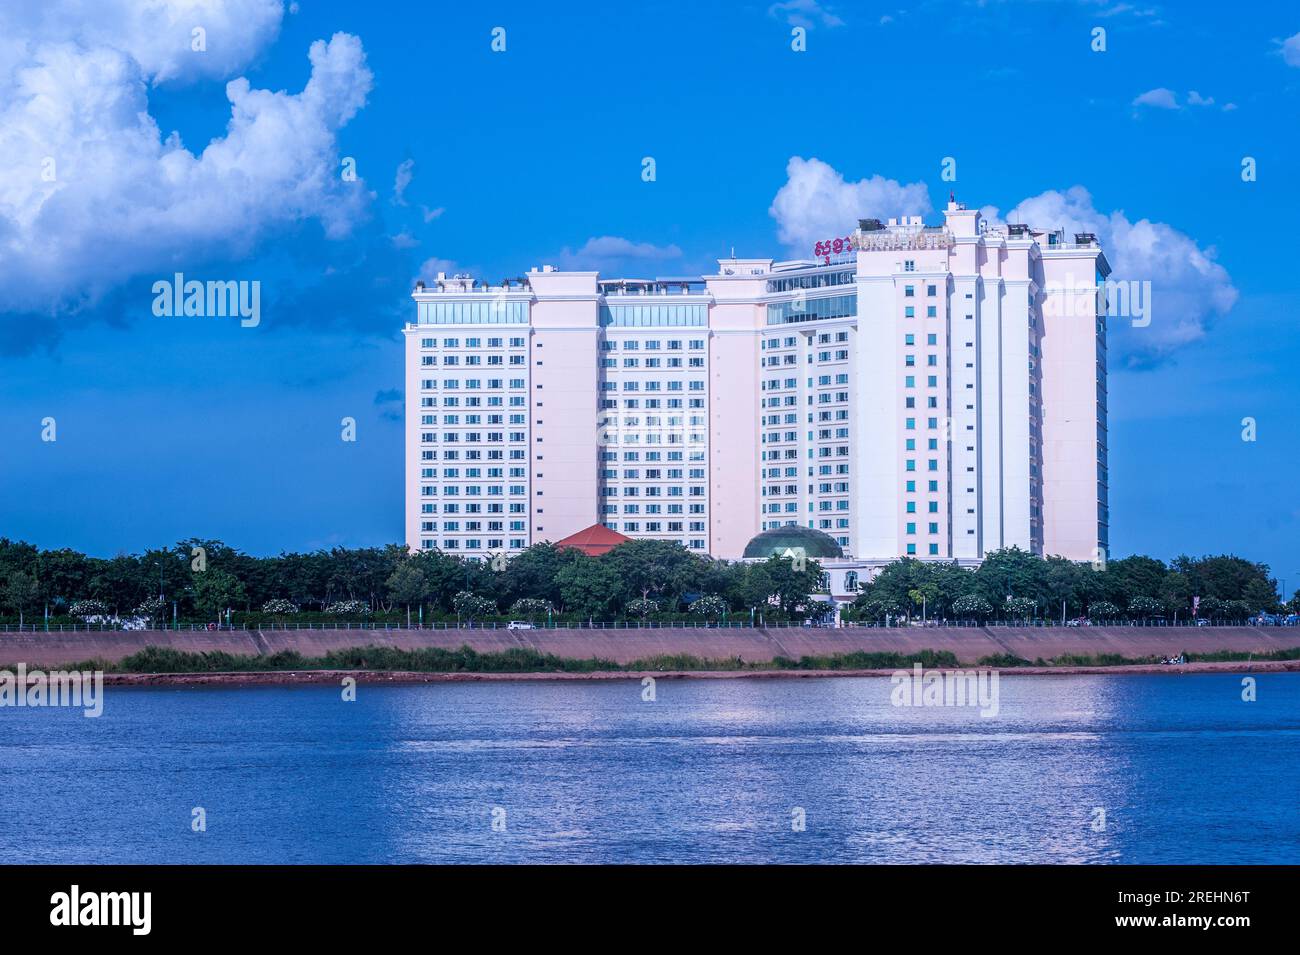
(171, 427)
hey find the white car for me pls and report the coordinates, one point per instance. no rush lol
(519, 625)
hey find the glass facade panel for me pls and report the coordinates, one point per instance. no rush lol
(650, 316)
(488, 312)
(835, 306)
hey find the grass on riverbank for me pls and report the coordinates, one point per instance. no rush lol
(519, 660)
(467, 660)
(1006, 661)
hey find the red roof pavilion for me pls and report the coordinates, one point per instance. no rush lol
(594, 541)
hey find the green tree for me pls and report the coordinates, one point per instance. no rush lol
(532, 573)
(215, 591)
(21, 592)
(777, 583)
(408, 584)
(590, 587)
(650, 568)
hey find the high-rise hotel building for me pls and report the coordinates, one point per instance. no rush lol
(927, 390)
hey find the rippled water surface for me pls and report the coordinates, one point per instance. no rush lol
(710, 771)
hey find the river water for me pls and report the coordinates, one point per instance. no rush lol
(744, 770)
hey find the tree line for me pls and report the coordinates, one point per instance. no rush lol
(205, 578)
(202, 579)
(1014, 584)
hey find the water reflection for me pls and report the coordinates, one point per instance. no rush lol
(711, 771)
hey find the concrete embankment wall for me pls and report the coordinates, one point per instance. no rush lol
(755, 645)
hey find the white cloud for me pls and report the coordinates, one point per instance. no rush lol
(804, 13)
(430, 268)
(1159, 98)
(816, 203)
(1188, 287)
(96, 194)
(1291, 50)
(1168, 99)
(1126, 9)
(606, 251)
(405, 173)
(431, 214)
(157, 35)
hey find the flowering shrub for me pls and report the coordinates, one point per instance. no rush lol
(971, 605)
(282, 606)
(349, 608)
(88, 608)
(152, 607)
(710, 605)
(1102, 610)
(531, 607)
(642, 607)
(472, 605)
(1019, 608)
(1144, 607)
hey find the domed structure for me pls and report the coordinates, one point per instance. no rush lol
(780, 541)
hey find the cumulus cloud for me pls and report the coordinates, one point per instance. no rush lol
(158, 36)
(817, 202)
(804, 13)
(1291, 50)
(97, 194)
(1159, 98)
(607, 251)
(1188, 287)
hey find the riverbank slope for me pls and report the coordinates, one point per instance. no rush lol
(623, 646)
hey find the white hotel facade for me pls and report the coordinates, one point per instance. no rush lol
(934, 391)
